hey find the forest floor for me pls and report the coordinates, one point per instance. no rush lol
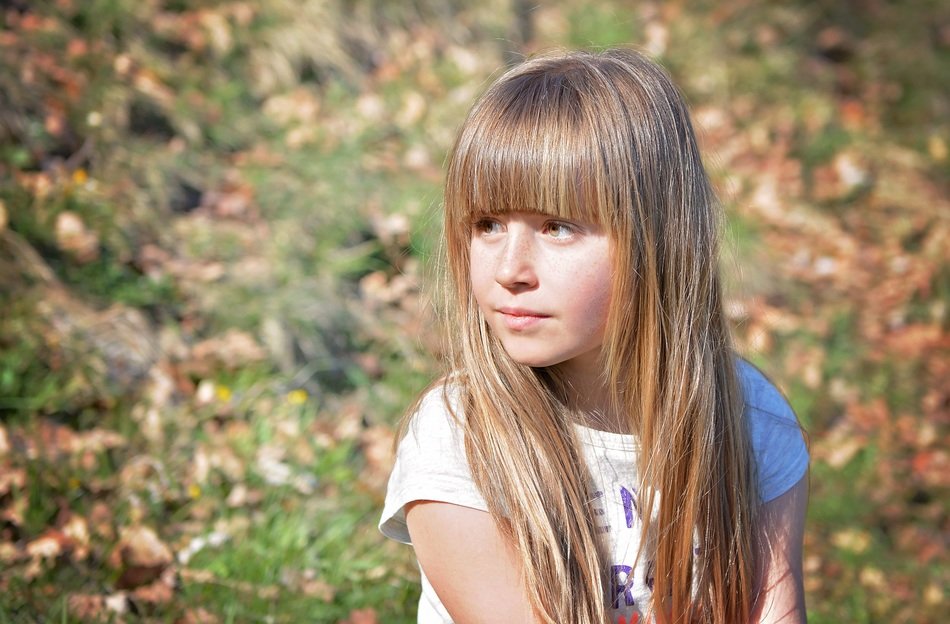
(216, 225)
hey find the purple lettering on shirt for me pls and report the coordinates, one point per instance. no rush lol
(621, 576)
(629, 500)
(602, 525)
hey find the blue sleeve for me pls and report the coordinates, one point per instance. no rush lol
(778, 443)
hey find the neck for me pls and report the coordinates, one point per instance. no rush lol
(588, 396)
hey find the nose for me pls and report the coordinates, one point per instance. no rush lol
(515, 269)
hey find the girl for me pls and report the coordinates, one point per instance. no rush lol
(597, 451)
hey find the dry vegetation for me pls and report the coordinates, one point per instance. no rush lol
(215, 219)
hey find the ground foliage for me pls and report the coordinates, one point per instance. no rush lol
(214, 222)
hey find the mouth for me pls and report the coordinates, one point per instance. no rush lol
(519, 319)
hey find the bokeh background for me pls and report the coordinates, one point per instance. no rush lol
(216, 220)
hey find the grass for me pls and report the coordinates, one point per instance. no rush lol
(278, 457)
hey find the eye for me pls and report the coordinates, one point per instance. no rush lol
(485, 225)
(559, 230)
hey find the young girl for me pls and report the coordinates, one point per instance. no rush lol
(597, 452)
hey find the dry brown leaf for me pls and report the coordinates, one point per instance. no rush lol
(141, 546)
(87, 607)
(916, 340)
(300, 106)
(141, 555)
(49, 545)
(98, 440)
(234, 199)
(231, 350)
(839, 445)
(267, 592)
(241, 496)
(318, 589)
(101, 521)
(9, 553)
(197, 616)
(362, 616)
(413, 109)
(52, 441)
(307, 583)
(13, 514)
(377, 445)
(852, 540)
(159, 592)
(76, 531)
(73, 237)
(933, 466)
(12, 479)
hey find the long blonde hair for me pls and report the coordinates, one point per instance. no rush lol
(607, 138)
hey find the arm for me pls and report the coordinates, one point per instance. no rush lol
(782, 600)
(467, 561)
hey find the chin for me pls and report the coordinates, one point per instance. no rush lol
(533, 360)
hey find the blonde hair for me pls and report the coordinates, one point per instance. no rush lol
(607, 138)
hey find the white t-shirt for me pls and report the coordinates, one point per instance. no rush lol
(431, 465)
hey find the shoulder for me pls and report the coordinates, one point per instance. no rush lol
(431, 463)
(778, 443)
(764, 403)
(436, 414)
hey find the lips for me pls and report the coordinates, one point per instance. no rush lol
(520, 319)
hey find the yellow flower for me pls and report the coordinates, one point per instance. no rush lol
(80, 176)
(297, 397)
(194, 491)
(223, 393)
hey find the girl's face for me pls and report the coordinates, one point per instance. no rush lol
(543, 284)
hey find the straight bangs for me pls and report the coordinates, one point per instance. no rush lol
(528, 146)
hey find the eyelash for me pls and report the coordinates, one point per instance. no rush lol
(485, 225)
(567, 227)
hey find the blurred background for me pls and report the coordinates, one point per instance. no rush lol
(216, 222)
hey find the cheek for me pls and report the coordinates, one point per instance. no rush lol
(479, 275)
(595, 298)
(600, 306)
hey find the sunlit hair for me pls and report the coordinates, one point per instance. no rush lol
(607, 138)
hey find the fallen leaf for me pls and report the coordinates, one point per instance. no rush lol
(12, 479)
(241, 496)
(141, 555)
(872, 578)
(73, 237)
(307, 583)
(9, 553)
(48, 546)
(377, 445)
(76, 530)
(362, 616)
(230, 351)
(101, 521)
(159, 592)
(87, 607)
(853, 540)
(197, 616)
